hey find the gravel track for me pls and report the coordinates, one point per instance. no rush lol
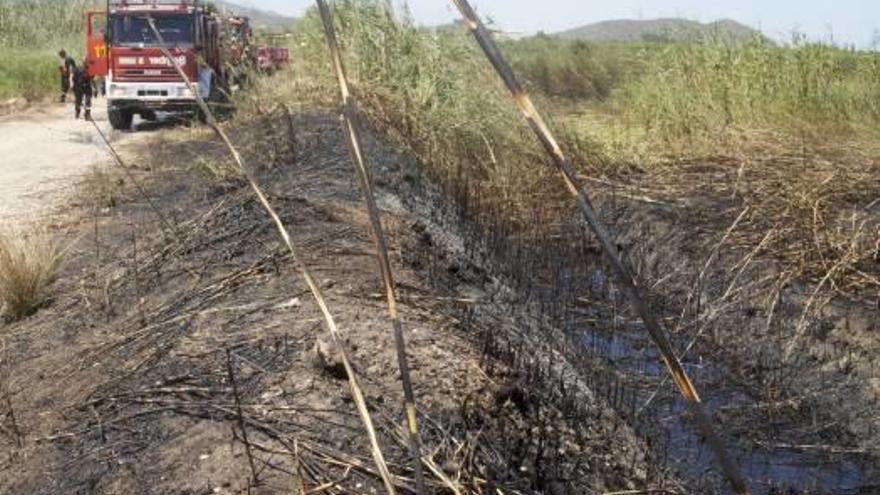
(45, 150)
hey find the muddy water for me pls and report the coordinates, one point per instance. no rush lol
(769, 469)
(797, 465)
(779, 454)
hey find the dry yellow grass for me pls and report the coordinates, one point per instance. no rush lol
(29, 261)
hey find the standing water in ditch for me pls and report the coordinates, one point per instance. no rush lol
(747, 425)
(558, 281)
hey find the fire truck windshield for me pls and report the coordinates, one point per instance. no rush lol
(133, 29)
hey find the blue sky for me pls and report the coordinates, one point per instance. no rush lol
(849, 21)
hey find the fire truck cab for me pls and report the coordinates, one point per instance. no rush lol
(139, 79)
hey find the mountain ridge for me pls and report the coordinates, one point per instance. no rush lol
(660, 29)
(260, 18)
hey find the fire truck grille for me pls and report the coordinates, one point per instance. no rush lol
(164, 74)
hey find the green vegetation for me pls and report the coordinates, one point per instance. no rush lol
(636, 103)
(432, 93)
(691, 96)
(31, 33)
(703, 90)
(42, 23)
(797, 120)
(29, 74)
(572, 69)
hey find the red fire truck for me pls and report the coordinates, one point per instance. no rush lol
(139, 79)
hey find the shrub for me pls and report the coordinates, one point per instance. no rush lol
(29, 262)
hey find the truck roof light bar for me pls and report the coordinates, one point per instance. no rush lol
(182, 4)
(150, 2)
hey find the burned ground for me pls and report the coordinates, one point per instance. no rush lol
(160, 342)
(531, 374)
(790, 378)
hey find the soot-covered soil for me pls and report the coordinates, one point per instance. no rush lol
(125, 382)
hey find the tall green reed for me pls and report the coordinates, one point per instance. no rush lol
(699, 90)
(31, 33)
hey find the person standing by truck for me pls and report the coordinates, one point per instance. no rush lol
(66, 68)
(82, 91)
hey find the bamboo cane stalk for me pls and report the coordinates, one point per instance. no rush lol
(631, 285)
(336, 335)
(350, 119)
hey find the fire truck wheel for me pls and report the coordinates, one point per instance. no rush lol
(120, 119)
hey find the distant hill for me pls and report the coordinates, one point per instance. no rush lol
(259, 18)
(672, 29)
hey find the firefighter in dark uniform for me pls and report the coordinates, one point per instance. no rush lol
(82, 91)
(66, 68)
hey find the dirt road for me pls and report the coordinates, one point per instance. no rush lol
(43, 151)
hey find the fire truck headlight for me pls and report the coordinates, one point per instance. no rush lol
(115, 91)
